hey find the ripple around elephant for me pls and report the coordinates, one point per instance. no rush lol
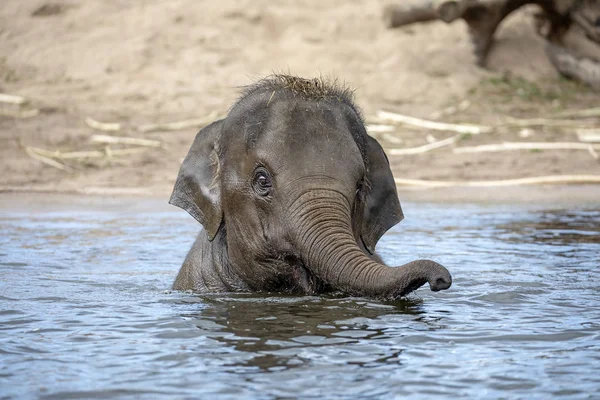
(293, 195)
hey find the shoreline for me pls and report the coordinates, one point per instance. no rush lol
(133, 200)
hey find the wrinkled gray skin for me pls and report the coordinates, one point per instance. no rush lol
(293, 196)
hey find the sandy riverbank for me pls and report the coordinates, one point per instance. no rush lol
(158, 61)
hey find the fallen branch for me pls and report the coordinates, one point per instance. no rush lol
(85, 190)
(103, 126)
(75, 155)
(522, 123)
(449, 11)
(570, 65)
(525, 146)
(12, 99)
(426, 124)
(48, 161)
(556, 22)
(477, 129)
(430, 138)
(392, 138)
(178, 125)
(588, 135)
(378, 128)
(408, 12)
(20, 113)
(425, 148)
(540, 180)
(114, 190)
(586, 113)
(125, 140)
(589, 25)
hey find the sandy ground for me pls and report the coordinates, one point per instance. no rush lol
(148, 61)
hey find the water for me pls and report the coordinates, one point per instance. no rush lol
(85, 312)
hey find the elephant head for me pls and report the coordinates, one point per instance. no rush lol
(298, 193)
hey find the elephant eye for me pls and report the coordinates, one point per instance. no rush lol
(261, 183)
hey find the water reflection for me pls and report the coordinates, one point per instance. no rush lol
(555, 227)
(265, 325)
(85, 311)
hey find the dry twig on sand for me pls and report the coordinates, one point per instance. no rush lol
(12, 99)
(15, 107)
(20, 113)
(178, 125)
(539, 180)
(103, 126)
(85, 190)
(525, 146)
(425, 148)
(589, 135)
(126, 140)
(114, 190)
(522, 123)
(509, 122)
(380, 128)
(426, 124)
(31, 152)
(78, 155)
(586, 113)
(388, 137)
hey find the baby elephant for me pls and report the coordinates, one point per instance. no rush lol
(293, 196)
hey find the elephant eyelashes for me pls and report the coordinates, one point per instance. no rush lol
(361, 187)
(261, 183)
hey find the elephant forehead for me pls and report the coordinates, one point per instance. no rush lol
(287, 132)
(301, 123)
(307, 133)
(285, 113)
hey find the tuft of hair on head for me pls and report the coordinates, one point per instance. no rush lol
(320, 88)
(315, 88)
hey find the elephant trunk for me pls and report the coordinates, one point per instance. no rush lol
(330, 251)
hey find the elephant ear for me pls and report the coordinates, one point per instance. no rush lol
(382, 207)
(198, 188)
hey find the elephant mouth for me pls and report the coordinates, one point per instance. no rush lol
(304, 280)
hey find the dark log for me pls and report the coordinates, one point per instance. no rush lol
(581, 69)
(408, 12)
(586, 15)
(557, 20)
(576, 56)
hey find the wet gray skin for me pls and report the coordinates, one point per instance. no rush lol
(293, 195)
(85, 311)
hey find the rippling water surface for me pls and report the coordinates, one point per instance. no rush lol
(85, 312)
